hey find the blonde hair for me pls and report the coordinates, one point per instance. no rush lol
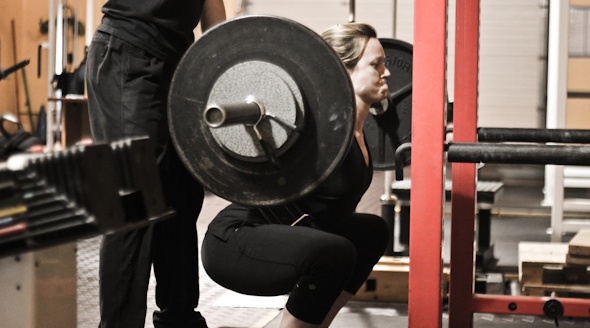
(349, 41)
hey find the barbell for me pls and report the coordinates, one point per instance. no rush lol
(261, 110)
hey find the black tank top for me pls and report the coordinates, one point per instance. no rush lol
(334, 199)
(163, 28)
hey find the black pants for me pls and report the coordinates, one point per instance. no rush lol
(127, 96)
(313, 265)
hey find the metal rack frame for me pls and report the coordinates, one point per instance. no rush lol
(428, 165)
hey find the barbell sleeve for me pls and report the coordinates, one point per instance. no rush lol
(219, 115)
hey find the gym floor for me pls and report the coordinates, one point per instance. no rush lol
(518, 216)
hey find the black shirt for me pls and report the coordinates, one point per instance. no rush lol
(334, 199)
(163, 28)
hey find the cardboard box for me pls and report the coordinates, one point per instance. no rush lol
(580, 3)
(578, 113)
(578, 72)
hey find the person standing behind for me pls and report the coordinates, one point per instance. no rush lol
(131, 61)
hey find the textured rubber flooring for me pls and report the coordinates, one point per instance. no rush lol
(388, 315)
(216, 316)
(356, 314)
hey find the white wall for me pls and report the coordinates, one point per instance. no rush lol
(512, 63)
(512, 47)
(321, 14)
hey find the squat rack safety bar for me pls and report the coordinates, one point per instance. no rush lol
(533, 135)
(518, 154)
(504, 154)
(428, 175)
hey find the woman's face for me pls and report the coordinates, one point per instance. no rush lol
(369, 76)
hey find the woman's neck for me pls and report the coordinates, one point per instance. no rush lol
(362, 111)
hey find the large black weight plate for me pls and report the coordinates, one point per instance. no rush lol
(327, 94)
(387, 131)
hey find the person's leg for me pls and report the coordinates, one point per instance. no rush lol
(127, 92)
(121, 107)
(275, 259)
(368, 233)
(123, 279)
(289, 321)
(336, 307)
(175, 248)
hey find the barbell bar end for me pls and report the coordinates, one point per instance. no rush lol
(220, 115)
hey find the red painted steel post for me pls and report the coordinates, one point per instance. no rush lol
(428, 163)
(464, 175)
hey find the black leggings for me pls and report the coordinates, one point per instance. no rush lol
(314, 266)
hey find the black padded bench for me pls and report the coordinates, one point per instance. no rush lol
(488, 192)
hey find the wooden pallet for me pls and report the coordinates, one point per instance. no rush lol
(559, 269)
(579, 248)
(560, 290)
(533, 256)
(388, 282)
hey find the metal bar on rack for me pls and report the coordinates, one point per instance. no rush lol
(351, 11)
(60, 65)
(14, 52)
(529, 305)
(533, 135)
(518, 154)
(50, 75)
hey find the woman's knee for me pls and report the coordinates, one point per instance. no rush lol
(336, 257)
(376, 231)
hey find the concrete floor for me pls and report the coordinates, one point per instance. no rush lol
(517, 217)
